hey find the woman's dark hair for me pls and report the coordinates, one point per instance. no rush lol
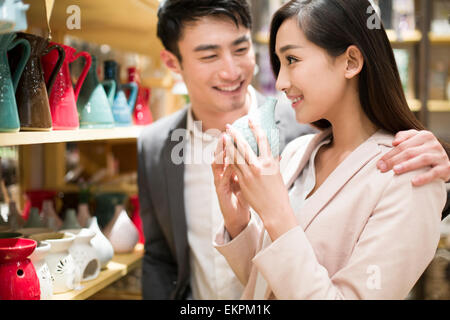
(334, 25)
(174, 14)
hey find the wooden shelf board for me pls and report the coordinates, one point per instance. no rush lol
(410, 36)
(439, 38)
(119, 266)
(413, 36)
(26, 138)
(433, 105)
(439, 105)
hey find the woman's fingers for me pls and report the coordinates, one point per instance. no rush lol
(242, 146)
(261, 139)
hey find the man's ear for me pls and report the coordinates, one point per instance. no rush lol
(171, 61)
(354, 62)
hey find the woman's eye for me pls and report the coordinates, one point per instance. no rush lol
(291, 60)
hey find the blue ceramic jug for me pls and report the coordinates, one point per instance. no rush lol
(9, 116)
(93, 106)
(122, 108)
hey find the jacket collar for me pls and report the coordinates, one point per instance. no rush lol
(339, 177)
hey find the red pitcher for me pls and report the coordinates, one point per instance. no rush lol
(141, 114)
(63, 97)
(18, 278)
(136, 217)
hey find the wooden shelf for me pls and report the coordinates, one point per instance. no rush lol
(414, 104)
(26, 138)
(410, 37)
(433, 105)
(439, 38)
(118, 267)
(439, 105)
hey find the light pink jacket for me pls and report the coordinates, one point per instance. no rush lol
(363, 234)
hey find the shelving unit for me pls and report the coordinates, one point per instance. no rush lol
(118, 267)
(29, 138)
(42, 154)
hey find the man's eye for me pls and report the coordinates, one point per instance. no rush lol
(242, 50)
(209, 57)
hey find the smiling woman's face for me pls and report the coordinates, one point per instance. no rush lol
(312, 79)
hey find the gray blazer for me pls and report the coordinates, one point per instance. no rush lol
(165, 266)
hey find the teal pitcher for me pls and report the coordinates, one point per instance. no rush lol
(9, 116)
(93, 106)
(122, 108)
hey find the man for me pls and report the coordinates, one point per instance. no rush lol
(208, 42)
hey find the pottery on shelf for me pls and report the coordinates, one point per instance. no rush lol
(32, 91)
(18, 278)
(36, 198)
(62, 266)
(83, 214)
(15, 219)
(34, 220)
(10, 235)
(265, 117)
(42, 270)
(9, 80)
(93, 106)
(122, 232)
(136, 217)
(27, 232)
(50, 218)
(70, 220)
(142, 114)
(64, 95)
(105, 205)
(100, 243)
(84, 254)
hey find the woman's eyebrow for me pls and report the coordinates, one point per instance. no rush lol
(288, 47)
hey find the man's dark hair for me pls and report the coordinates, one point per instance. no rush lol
(174, 14)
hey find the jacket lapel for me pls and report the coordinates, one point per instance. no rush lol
(336, 180)
(174, 173)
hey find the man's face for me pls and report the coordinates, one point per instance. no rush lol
(217, 64)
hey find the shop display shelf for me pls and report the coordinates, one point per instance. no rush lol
(118, 267)
(439, 38)
(411, 37)
(28, 137)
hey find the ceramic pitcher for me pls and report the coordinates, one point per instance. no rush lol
(7, 16)
(18, 278)
(93, 106)
(141, 115)
(32, 92)
(63, 96)
(122, 108)
(9, 116)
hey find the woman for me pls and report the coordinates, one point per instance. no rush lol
(329, 225)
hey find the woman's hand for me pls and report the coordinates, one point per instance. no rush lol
(235, 209)
(260, 180)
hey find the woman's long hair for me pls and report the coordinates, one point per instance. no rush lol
(334, 25)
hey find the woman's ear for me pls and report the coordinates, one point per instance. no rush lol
(355, 62)
(171, 61)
